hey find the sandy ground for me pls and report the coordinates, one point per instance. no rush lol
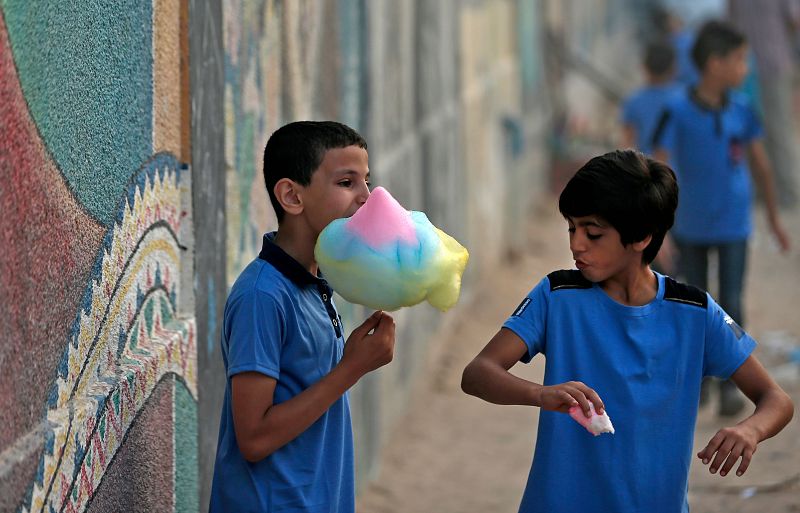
(452, 453)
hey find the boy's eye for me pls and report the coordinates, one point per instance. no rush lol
(592, 236)
(345, 183)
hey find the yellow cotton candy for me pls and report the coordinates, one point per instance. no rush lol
(452, 262)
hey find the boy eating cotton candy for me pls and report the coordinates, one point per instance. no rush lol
(618, 336)
(286, 440)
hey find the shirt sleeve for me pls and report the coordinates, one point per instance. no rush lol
(727, 345)
(664, 133)
(529, 320)
(254, 325)
(754, 129)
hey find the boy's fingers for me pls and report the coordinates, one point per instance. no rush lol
(731, 460)
(582, 400)
(567, 401)
(722, 453)
(591, 396)
(747, 456)
(737, 452)
(371, 322)
(599, 407)
(385, 325)
(709, 450)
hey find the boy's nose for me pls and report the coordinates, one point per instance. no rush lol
(363, 194)
(576, 246)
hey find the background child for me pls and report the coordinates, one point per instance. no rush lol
(622, 337)
(642, 109)
(285, 438)
(707, 134)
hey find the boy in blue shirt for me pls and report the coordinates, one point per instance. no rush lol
(285, 441)
(642, 109)
(630, 341)
(707, 134)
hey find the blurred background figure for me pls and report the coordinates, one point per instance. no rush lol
(770, 28)
(642, 109)
(670, 26)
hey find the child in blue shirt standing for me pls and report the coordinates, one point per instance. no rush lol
(286, 441)
(642, 109)
(630, 341)
(707, 134)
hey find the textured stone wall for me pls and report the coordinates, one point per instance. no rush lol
(98, 392)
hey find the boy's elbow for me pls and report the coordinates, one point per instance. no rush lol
(789, 407)
(251, 453)
(784, 402)
(469, 379)
(253, 449)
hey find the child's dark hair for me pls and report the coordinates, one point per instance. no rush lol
(715, 39)
(296, 150)
(659, 58)
(637, 195)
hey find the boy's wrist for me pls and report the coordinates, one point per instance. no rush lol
(536, 395)
(348, 371)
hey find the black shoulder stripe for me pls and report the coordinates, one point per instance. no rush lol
(573, 279)
(683, 293)
(655, 142)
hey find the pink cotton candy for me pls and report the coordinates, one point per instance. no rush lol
(395, 221)
(595, 424)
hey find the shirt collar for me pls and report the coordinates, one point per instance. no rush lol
(695, 97)
(287, 265)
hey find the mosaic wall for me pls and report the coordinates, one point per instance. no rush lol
(99, 357)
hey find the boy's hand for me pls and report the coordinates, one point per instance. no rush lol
(366, 352)
(780, 234)
(566, 395)
(730, 444)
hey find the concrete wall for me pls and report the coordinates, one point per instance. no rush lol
(132, 195)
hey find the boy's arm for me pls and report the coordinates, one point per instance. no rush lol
(263, 427)
(773, 411)
(487, 377)
(762, 175)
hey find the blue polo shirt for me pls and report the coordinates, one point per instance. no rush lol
(643, 109)
(646, 363)
(281, 321)
(708, 151)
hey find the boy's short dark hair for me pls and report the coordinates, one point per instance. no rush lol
(715, 39)
(637, 195)
(659, 58)
(296, 150)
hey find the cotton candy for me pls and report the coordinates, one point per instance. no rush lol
(386, 257)
(595, 424)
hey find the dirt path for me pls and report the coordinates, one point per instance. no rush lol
(452, 453)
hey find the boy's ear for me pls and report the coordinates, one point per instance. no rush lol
(641, 245)
(287, 194)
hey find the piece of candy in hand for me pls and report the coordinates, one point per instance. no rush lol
(386, 257)
(595, 424)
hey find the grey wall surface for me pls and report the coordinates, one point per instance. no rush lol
(206, 65)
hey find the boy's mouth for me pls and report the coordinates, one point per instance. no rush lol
(580, 264)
